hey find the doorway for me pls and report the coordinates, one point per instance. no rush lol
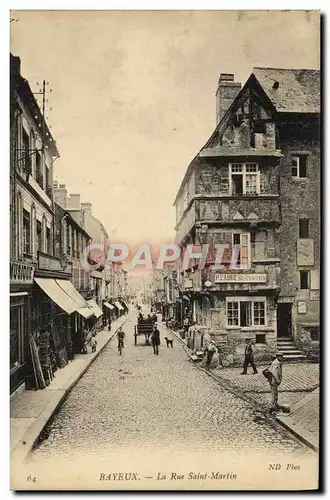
(284, 320)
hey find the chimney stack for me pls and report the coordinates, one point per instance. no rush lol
(226, 93)
(74, 202)
(60, 194)
(87, 207)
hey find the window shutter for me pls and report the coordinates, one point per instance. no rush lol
(315, 279)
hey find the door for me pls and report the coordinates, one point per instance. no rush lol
(284, 318)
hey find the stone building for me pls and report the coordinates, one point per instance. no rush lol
(255, 186)
(32, 154)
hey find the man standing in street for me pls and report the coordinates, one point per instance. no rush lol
(249, 356)
(275, 380)
(155, 339)
(209, 351)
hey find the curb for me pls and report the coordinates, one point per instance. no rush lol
(30, 439)
(273, 421)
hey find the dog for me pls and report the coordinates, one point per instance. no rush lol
(169, 342)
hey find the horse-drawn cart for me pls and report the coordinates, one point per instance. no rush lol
(143, 327)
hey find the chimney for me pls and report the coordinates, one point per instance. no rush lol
(74, 202)
(60, 194)
(226, 93)
(87, 207)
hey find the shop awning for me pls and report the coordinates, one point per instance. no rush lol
(119, 306)
(96, 274)
(72, 292)
(96, 310)
(124, 304)
(57, 294)
(109, 306)
(185, 297)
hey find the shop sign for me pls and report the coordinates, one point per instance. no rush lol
(188, 283)
(302, 307)
(240, 278)
(21, 272)
(305, 252)
(314, 295)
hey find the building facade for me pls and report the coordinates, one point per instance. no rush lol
(255, 187)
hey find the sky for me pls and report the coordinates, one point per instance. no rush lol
(133, 96)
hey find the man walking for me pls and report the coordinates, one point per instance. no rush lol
(155, 339)
(249, 356)
(275, 380)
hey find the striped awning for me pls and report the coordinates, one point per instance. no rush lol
(119, 306)
(108, 305)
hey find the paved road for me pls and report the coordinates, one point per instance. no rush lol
(149, 402)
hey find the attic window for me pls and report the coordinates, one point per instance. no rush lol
(276, 85)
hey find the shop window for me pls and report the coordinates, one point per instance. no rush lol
(303, 228)
(16, 357)
(26, 232)
(299, 166)
(260, 338)
(303, 280)
(246, 313)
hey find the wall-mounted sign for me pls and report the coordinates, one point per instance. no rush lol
(314, 295)
(187, 283)
(305, 252)
(240, 278)
(302, 307)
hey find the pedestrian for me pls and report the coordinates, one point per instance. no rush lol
(210, 349)
(186, 325)
(275, 379)
(93, 344)
(109, 324)
(249, 357)
(155, 339)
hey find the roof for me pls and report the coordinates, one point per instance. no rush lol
(298, 89)
(222, 151)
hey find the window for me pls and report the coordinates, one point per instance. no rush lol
(242, 242)
(303, 228)
(39, 236)
(315, 334)
(244, 178)
(16, 322)
(26, 152)
(246, 312)
(260, 338)
(259, 313)
(259, 244)
(48, 241)
(26, 232)
(39, 175)
(299, 166)
(68, 240)
(303, 280)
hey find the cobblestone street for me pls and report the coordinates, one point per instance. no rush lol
(141, 401)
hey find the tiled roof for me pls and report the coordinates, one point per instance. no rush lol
(298, 90)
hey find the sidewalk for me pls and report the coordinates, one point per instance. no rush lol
(299, 389)
(31, 410)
